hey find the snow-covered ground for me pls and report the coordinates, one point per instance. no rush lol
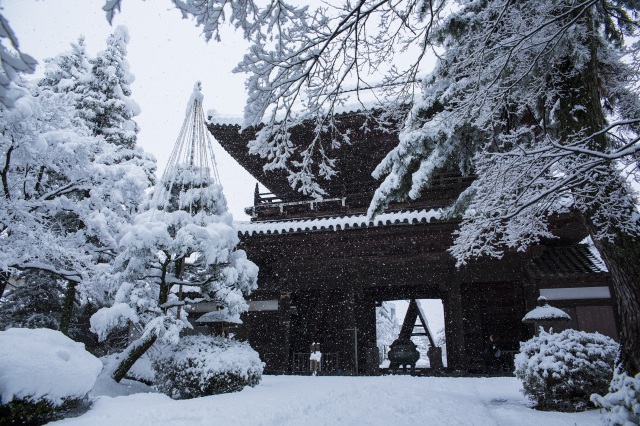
(302, 401)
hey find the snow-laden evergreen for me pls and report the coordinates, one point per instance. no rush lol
(66, 193)
(38, 303)
(69, 71)
(559, 371)
(387, 327)
(14, 62)
(183, 236)
(106, 103)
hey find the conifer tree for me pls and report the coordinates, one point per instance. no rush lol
(68, 192)
(106, 104)
(68, 71)
(183, 237)
(35, 303)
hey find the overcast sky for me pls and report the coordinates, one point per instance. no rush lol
(167, 54)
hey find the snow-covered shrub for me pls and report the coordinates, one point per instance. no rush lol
(560, 371)
(42, 372)
(206, 365)
(622, 403)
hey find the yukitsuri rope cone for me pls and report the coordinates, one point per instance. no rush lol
(192, 166)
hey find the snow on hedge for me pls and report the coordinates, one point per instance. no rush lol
(222, 315)
(43, 363)
(560, 371)
(205, 365)
(216, 355)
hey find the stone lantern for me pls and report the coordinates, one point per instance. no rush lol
(220, 321)
(545, 315)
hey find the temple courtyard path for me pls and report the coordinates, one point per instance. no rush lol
(297, 400)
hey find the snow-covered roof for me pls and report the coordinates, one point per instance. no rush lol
(357, 105)
(573, 260)
(338, 222)
(213, 117)
(222, 315)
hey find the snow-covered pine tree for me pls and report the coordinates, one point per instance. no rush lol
(184, 237)
(38, 180)
(106, 104)
(68, 71)
(66, 192)
(36, 302)
(387, 328)
(36, 299)
(126, 167)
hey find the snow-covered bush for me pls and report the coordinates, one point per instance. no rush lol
(622, 403)
(42, 372)
(560, 371)
(206, 365)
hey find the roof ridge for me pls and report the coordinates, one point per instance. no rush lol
(339, 222)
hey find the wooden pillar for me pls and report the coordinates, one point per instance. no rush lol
(348, 355)
(454, 328)
(284, 320)
(366, 322)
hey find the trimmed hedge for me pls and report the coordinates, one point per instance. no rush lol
(206, 365)
(560, 371)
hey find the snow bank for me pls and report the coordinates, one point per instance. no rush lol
(43, 363)
(349, 401)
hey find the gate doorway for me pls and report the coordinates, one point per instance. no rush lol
(390, 317)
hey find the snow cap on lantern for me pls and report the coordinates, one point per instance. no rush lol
(545, 314)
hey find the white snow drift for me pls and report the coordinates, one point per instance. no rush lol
(43, 363)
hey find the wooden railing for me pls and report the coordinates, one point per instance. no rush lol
(354, 200)
(271, 206)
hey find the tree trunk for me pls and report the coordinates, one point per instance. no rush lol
(622, 258)
(67, 309)
(4, 280)
(133, 352)
(622, 255)
(163, 297)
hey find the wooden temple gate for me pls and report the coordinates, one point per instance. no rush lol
(324, 267)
